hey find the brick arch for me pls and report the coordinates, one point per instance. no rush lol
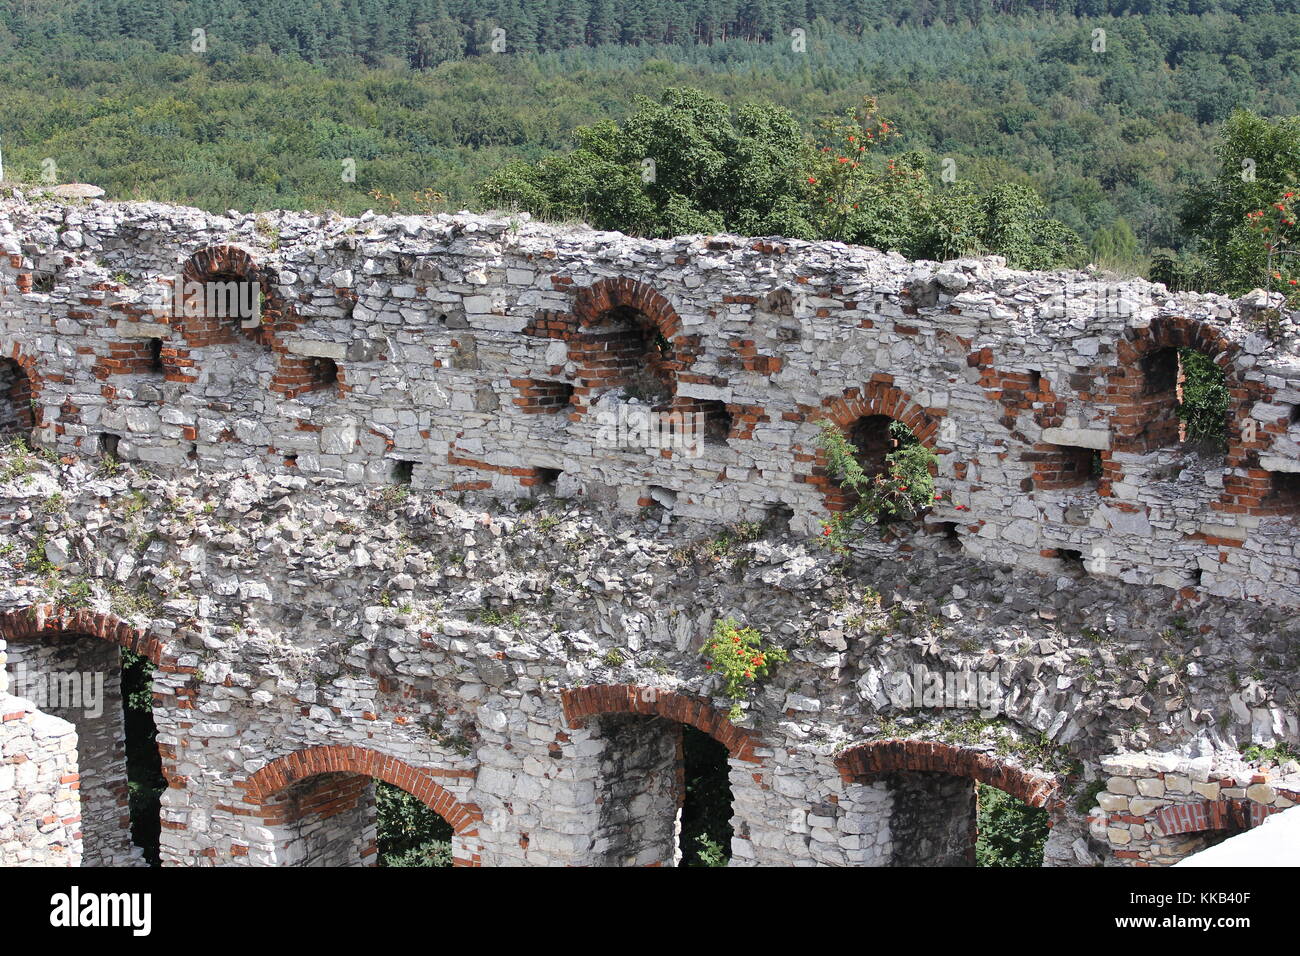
(876, 398)
(46, 620)
(23, 390)
(603, 359)
(580, 703)
(463, 818)
(593, 301)
(863, 762)
(213, 262)
(1124, 385)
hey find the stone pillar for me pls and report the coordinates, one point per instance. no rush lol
(79, 679)
(325, 820)
(639, 792)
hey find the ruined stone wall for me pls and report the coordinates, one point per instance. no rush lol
(358, 541)
(522, 667)
(40, 807)
(492, 353)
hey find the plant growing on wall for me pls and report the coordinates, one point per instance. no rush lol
(898, 493)
(741, 657)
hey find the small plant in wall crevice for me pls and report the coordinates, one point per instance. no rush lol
(741, 657)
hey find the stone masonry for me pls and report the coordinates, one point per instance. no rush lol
(407, 523)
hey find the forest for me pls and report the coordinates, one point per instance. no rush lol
(1117, 138)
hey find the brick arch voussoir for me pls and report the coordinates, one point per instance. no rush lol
(864, 762)
(1176, 332)
(227, 260)
(46, 620)
(605, 294)
(891, 402)
(581, 703)
(464, 818)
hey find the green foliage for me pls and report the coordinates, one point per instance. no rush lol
(1278, 753)
(709, 853)
(411, 90)
(1259, 163)
(1011, 833)
(687, 165)
(409, 833)
(1204, 407)
(740, 655)
(900, 492)
(683, 165)
(1115, 246)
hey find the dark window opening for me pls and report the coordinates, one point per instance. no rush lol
(778, 517)
(1071, 558)
(403, 471)
(43, 282)
(291, 461)
(108, 446)
(1284, 492)
(17, 411)
(717, 423)
(156, 356)
(1035, 384)
(547, 479)
(324, 372)
(950, 535)
(874, 437)
(1159, 371)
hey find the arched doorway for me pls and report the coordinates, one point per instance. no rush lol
(933, 793)
(668, 767)
(96, 672)
(318, 807)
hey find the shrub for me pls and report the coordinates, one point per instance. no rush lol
(739, 655)
(899, 493)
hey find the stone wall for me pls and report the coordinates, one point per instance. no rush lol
(358, 541)
(40, 807)
(496, 354)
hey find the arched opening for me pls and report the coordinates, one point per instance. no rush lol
(624, 348)
(409, 833)
(952, 806)
(348, 806)
(629, 338)
(106, 693)
(17, 412)
(1009, 832)
(226, 298)
(1177, 396)
(894, 475)
(667, 766)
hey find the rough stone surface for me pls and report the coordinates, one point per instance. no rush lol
(386, 533)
